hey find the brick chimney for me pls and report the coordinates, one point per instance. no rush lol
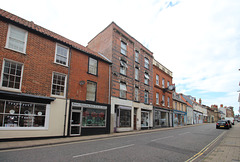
(200, 101)
(221, 105)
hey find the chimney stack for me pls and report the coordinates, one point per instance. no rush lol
(200, 101)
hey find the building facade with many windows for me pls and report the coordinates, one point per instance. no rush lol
(131, 78)
(49, 85)
(162, 98)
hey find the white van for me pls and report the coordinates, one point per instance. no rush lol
(231, 119)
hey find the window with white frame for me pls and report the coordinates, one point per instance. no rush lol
(136, 56)
(58, 84)
(168, 84)
(136, 73)
(91, 91)
(61, 55)
(168, 101)
(146, 78)
(12, 74)
(163, 82)
(163, 100)
(92, 66)
(123, 67)
(146, 63)
(146, 97)
(157, 79)
(123, 48)
(17, 39)
(23, 115)
(123, 90)
(157, 98)
(136, 94)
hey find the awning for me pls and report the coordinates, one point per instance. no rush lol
(25, 97)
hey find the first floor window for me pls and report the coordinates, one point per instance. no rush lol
(136, 98)
(12, 74)
(157, 98)
(168, 101)
(22, 114)
(163, 100)
(146, 97)
(91, 91)
(146, 78)
(123, 118)
(123, 67)
(93, 117)
(58, 84)
(123, 90)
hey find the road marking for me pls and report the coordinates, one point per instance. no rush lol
(115, 148)
(194, 157)
(161, 138)
(183, 133)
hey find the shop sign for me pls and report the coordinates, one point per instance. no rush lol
(89, 106)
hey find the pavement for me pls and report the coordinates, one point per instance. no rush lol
(228, 149)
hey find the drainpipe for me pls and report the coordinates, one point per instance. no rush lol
(69, 67)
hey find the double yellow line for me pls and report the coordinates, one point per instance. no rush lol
(204, 149)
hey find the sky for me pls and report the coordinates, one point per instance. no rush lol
(198, 40)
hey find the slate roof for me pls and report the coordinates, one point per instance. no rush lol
(31, 25)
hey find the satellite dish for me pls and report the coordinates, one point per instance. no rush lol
(82, 82)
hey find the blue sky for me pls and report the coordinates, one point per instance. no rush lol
(198, 40)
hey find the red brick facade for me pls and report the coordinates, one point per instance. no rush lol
(108, 42)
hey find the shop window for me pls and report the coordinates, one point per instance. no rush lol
(12, 74)
(61, 55)
(91, 91)
(22, 114)
(144, 119)
(17, 39)
(93, 117)
(124, 118)
(92, 66)
(58, 84)
(123, 48)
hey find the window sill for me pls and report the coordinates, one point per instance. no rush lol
(56, 96)
(92, 74)
(61, 64)
(10, 89)
(16, 50)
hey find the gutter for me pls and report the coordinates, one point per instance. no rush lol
(67, 89)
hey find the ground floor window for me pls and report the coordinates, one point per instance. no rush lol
(123, 118)
(22, 114)
(161, 118)
(144, 119)
(93, 117)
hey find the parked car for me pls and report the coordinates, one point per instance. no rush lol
(223, 124)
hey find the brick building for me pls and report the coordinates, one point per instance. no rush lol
(49, 85)
(131, 78)
(162, 100)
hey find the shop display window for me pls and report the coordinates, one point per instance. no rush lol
(124, 118)
(21, 114)
(145, 119)
(93, 117)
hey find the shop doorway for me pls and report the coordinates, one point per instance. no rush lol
(135, 119)
(76, 118)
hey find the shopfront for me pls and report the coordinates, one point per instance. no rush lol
(179, 118)
(161, 118)
(145, 119)
(88, 119)
(123, 117)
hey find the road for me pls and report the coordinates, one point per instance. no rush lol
(168, 145)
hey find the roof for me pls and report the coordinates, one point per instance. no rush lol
(185, 101)
(30, 25)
